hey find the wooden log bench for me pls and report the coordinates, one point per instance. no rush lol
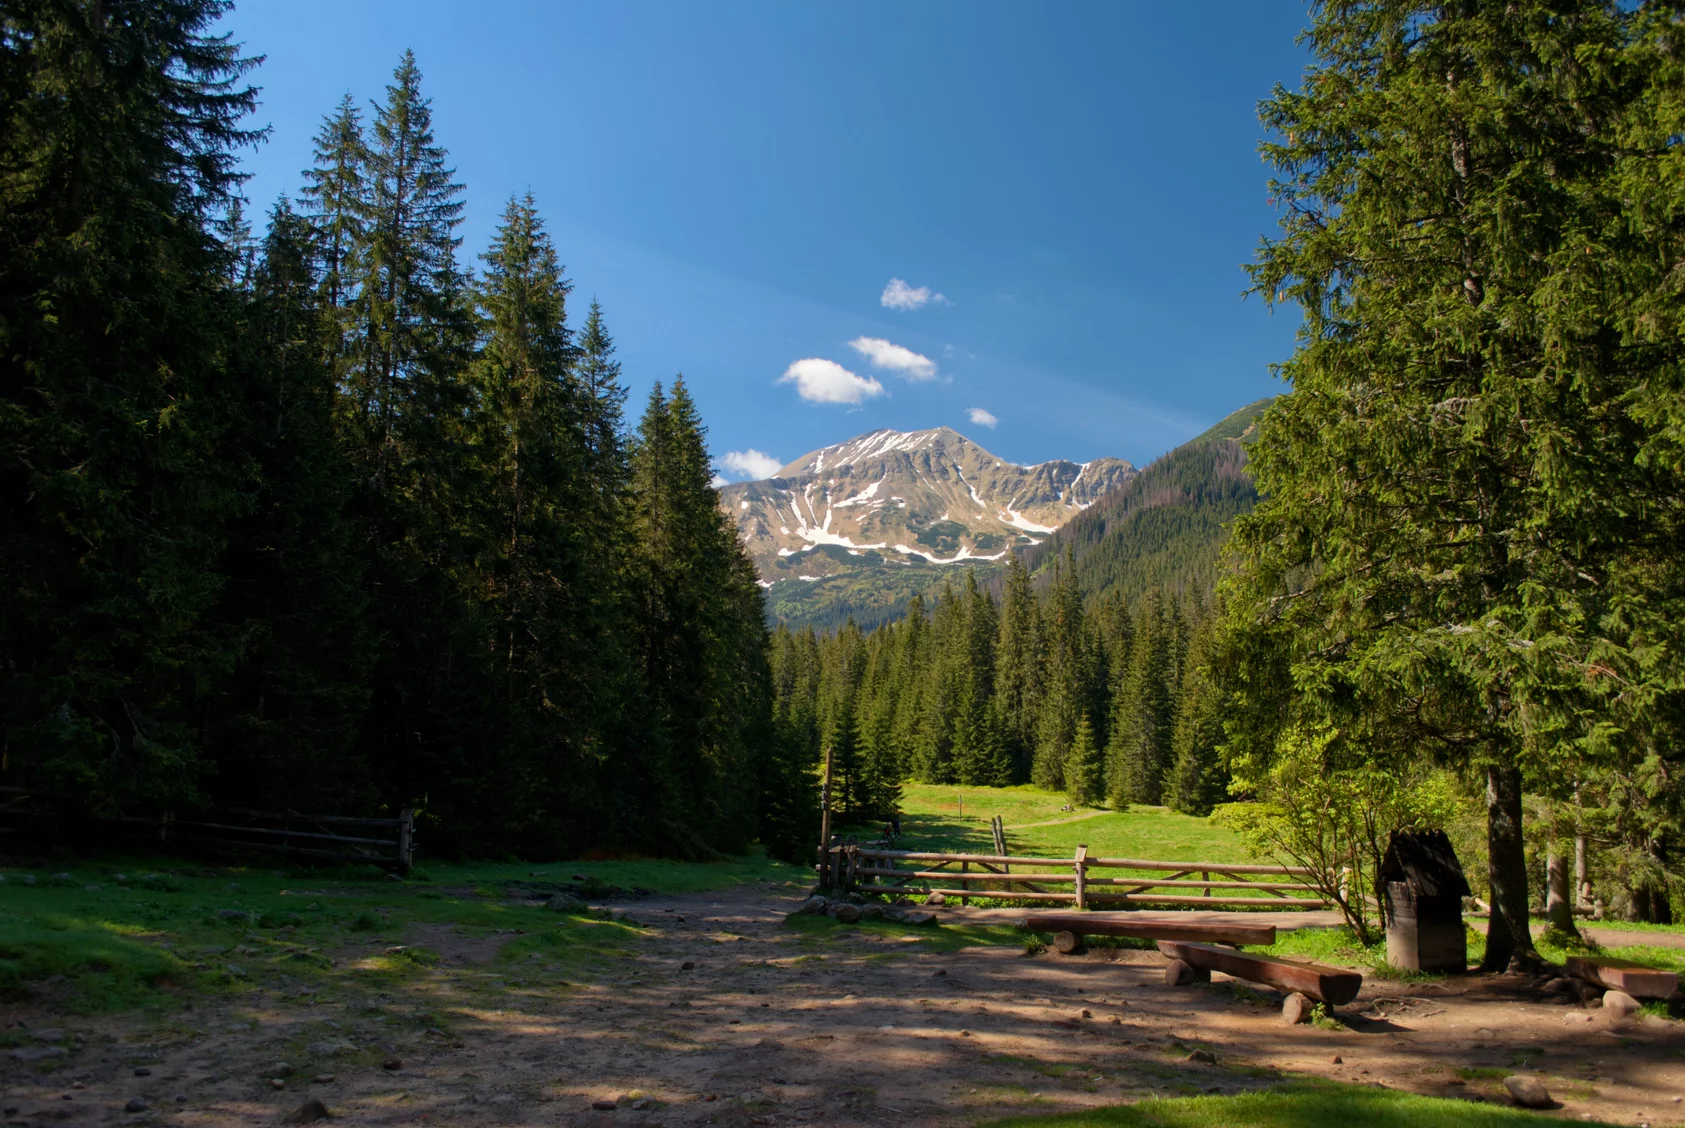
(1334, 986)
(1070, 928)
(1636, 979)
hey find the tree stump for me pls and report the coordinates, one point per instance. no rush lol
(1067, 943)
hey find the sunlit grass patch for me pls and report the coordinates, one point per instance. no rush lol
(103, 965)
(1303, 1105)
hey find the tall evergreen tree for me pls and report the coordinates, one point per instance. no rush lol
(1435, 485)
(119, 128)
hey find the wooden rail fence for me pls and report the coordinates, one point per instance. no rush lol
(386, 842)
(1019, 878)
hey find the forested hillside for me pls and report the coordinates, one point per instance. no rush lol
(1163, 530)
(331, 516)
(1084, 675)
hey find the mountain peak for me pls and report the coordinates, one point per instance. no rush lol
(893, 500)
(872, 444)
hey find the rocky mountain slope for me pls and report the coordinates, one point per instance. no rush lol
(897, 500)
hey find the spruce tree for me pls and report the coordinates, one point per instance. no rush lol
(1423, 575)
(119, 133)
(1084, 768)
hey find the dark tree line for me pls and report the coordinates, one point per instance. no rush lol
(324, 518)
(1107, 701)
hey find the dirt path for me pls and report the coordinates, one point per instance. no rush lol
(771, 1026)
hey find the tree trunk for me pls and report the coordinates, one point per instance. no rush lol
(1558, 909)
(1509, 944)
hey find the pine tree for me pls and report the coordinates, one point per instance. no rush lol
(1085, 781)
(1019, 667)
(1197, 780)
(1142, 714)
(1457, 422)
(285, 726)
(119, 134)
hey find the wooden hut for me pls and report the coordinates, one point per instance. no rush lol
(1421, 889)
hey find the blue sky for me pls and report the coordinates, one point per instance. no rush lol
(1071, 189)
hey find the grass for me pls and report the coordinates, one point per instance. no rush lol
(145, 932)
(943, 817)
(1305, 1105)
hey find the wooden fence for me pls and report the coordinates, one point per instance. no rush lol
(1020, 878)
(386, 842)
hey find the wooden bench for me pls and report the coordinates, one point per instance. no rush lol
(1335, 986)
(1070, 928)
(1636, 979)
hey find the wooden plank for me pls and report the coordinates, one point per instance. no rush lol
(1144, 883)
(1638, 980)
(343, 820)
(274, 832)
(1213, 867)
(999, 878)
(1140, 926)
(1335, 986)
(998, 859)
(1266, 904)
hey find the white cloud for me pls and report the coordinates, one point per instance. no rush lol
(717, 482)
(826, 381)
(751, 463)
(899, 295)
(894, 357)
(982, 418)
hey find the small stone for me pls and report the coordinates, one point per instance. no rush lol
(564, 903)
(967, 1034)
(142, 1071)
(604, 1105)
(1620, 1005)
(234, 914)
(1086, 1013)
(1116, 1021)
(277, 1083)
(236, 971)
(309, 1112)
(1204, 1056)
(1296, 1009)
(1336, 1060)
(848, 914)
(180, 1098)
(1176, 973)
(936, 899)
(640, 1105)
(280, 1069)
(392, 1063)
(1528, 1092)
(323, 1079)
(136, 1104)
(688, 965)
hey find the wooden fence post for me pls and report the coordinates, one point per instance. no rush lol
(1205, 875)
(1082, 877)
(406, 840)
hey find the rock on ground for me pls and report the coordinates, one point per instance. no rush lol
(1297, 1008)
(1528, 1092)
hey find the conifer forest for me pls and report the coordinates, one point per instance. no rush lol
(305, 504)
(318, 509)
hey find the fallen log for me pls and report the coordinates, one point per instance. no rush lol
(1332, 985)
(1141, 927)
(1638, 980)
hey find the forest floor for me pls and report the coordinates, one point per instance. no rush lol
(457, 1002)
